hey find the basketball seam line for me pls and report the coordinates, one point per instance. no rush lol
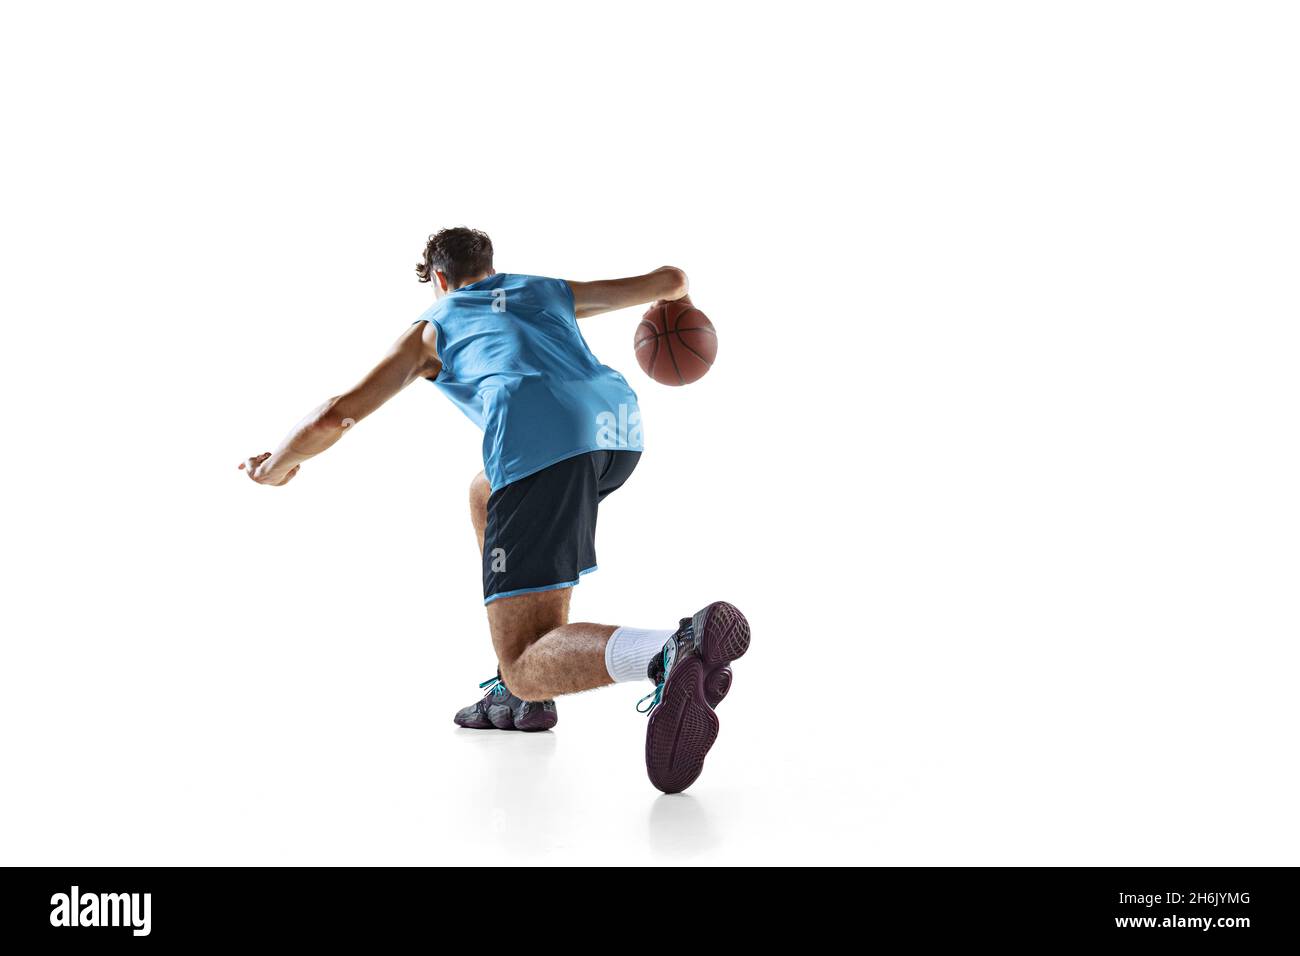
(681, 379)
(695, 353)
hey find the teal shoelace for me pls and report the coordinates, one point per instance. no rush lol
(495, 685)
(657, 694)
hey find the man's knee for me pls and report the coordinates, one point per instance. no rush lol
(479, 491)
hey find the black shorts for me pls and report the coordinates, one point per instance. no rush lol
(541, 529)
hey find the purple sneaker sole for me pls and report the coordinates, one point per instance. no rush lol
(683, 727)
(716, 685)
(500, 719)
(474, 721)
(537, 719)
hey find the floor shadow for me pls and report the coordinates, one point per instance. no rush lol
(533, 747)
(512, 801)
(681, 826)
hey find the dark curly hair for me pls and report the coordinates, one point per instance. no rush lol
(458, 253)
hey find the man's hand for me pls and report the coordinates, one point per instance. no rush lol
(265, 471)
(414, 355)
(684, 300)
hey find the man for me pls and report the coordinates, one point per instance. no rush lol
(561, 431)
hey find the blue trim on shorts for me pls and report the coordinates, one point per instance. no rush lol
(544, 587)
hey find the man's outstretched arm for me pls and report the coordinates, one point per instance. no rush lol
(413, 356)
(593, 298)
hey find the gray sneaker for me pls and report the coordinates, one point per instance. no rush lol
(501, 710)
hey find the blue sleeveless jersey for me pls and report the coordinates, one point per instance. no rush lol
(515, 363)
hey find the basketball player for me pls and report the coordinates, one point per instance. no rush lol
(561, 431)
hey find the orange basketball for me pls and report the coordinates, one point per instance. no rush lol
(675, 343)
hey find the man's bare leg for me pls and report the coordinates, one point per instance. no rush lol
(503, 713)
(537, 648)
(542, 655)
(479, 493)
(535, 644)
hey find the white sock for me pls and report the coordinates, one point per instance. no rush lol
(630, 649)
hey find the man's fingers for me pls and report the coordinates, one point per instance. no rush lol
(251, 464)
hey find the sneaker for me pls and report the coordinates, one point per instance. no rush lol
(691, 677)
(502, 710)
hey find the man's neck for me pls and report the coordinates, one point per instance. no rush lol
(473, 280)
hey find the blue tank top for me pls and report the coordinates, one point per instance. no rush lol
(515, 363)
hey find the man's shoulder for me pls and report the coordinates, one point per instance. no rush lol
(522, 278)
(432, 313)
(543, 292)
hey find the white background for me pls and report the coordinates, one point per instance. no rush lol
(999, 454)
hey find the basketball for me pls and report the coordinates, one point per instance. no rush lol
(675, 343)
